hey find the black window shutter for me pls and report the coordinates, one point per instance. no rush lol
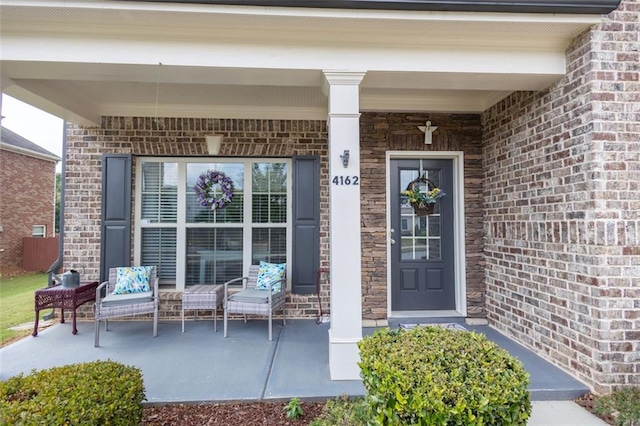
(115, 230)
(306, 223)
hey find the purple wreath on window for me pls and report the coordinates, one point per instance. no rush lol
(205, 189)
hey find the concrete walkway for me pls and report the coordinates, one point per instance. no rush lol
(202, 366)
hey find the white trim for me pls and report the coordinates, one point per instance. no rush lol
(344, 224)
(181, 231)
(207, 111)
(39, 234)
(458, 228)
(424, 314)
(271, 11)
(29, 153)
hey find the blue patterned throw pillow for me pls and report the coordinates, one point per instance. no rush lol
(134, 279)
(268, 274)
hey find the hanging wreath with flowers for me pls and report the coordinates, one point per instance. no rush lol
(423, 202)
(205, 189)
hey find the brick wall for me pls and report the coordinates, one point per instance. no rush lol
(27, 188)
(562, 219)
(179, 137)
(380, 132)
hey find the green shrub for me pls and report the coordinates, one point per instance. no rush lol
(343, 411)
(623, 405)
(93, 393)
(293, 409)
(436, 376)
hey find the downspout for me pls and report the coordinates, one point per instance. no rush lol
(58, 262)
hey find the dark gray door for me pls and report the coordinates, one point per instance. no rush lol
(422, 249)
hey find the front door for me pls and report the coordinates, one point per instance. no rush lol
(422, 249)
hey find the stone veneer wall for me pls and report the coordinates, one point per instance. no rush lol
(562, 223)
(382, 132)
(179, 137)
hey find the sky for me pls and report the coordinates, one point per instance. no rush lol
(31, 123)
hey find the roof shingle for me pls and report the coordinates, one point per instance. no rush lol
(13, 139)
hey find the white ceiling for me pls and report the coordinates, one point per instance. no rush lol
(84, 59)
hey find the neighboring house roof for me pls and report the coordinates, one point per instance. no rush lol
(14, 142)
(508, 6)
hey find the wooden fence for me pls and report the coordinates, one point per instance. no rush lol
(38, 254)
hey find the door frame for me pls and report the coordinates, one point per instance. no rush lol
(458, 228)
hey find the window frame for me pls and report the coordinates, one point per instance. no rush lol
(42, 234)
(181, 225)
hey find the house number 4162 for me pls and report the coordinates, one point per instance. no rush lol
(345, 180)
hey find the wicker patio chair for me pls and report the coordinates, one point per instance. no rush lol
(252, 301)
(124, 305)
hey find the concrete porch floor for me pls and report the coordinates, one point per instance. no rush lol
(202, 366)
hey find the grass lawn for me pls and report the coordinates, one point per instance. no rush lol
(17, 304)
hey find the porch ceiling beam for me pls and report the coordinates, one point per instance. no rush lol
(5, 81)
(66, 106)
(452, 102)
(265, 112)
(176, 77)
(488, 60)
(168, 74)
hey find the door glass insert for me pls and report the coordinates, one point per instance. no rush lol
(420, 235)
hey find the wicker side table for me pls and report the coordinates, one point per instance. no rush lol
(64, 298)
(203, 296)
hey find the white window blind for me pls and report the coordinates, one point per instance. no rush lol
(159, 192)
(159, 249)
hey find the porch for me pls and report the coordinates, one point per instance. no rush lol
(200, 365)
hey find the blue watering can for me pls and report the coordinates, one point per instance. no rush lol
(69, 279)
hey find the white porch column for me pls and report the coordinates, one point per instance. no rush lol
(344, 223)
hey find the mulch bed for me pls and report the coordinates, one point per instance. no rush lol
(260, 413)
(229, 414)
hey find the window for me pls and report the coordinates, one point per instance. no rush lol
(192, 244)
(269, 212)
(39, 231)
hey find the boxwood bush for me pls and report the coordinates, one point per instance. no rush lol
(437, 376)
(93, 393)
